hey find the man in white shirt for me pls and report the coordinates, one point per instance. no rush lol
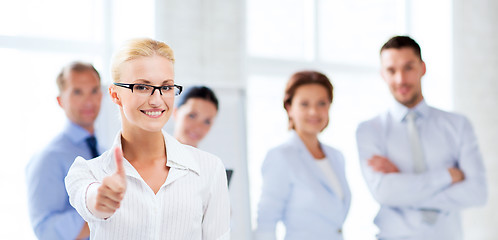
(422, 164)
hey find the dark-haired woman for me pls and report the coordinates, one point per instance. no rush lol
(194, 114)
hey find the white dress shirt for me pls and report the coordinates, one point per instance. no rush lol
(447, 141)
(193, 203)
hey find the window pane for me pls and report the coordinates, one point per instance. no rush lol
(56, 19)
(128, 24)
(280, 29)
(353, 31)
(435, 38)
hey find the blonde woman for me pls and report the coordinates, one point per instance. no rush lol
(149, 186)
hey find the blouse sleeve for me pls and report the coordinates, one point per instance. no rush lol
(78, 180)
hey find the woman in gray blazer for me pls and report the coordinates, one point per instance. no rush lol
(304, 183)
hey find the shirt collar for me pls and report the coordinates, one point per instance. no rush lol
(75, 132)
(178, 155)
(398, 111)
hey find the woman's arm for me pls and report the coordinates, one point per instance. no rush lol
(274, 195)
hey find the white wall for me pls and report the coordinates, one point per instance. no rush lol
(475, 50)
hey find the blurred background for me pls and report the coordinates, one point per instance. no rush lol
(246, 50)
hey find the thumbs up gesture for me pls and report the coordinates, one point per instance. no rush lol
(104, 199)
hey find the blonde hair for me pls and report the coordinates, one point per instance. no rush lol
(136, 48)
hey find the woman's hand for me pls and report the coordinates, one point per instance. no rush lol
(104, 199)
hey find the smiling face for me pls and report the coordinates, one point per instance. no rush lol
(402, 70)
(309, 109)
(81, 98)
(146, 112)
(193, 120)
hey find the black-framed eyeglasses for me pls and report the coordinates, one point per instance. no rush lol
(145, 89)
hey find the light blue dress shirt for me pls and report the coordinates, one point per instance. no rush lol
(297, 192)
(447, 140)
(52, 217)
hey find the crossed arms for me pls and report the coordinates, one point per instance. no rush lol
(453, 188)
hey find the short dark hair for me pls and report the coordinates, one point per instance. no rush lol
(75, 66)
(304, 78)
(399, 42)
(201, 92)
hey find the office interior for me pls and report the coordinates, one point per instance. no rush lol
(246, 50)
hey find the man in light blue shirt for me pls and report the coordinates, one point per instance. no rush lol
(52, 217)
(422, 164)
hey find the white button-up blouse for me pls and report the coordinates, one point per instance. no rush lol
(193, 203)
